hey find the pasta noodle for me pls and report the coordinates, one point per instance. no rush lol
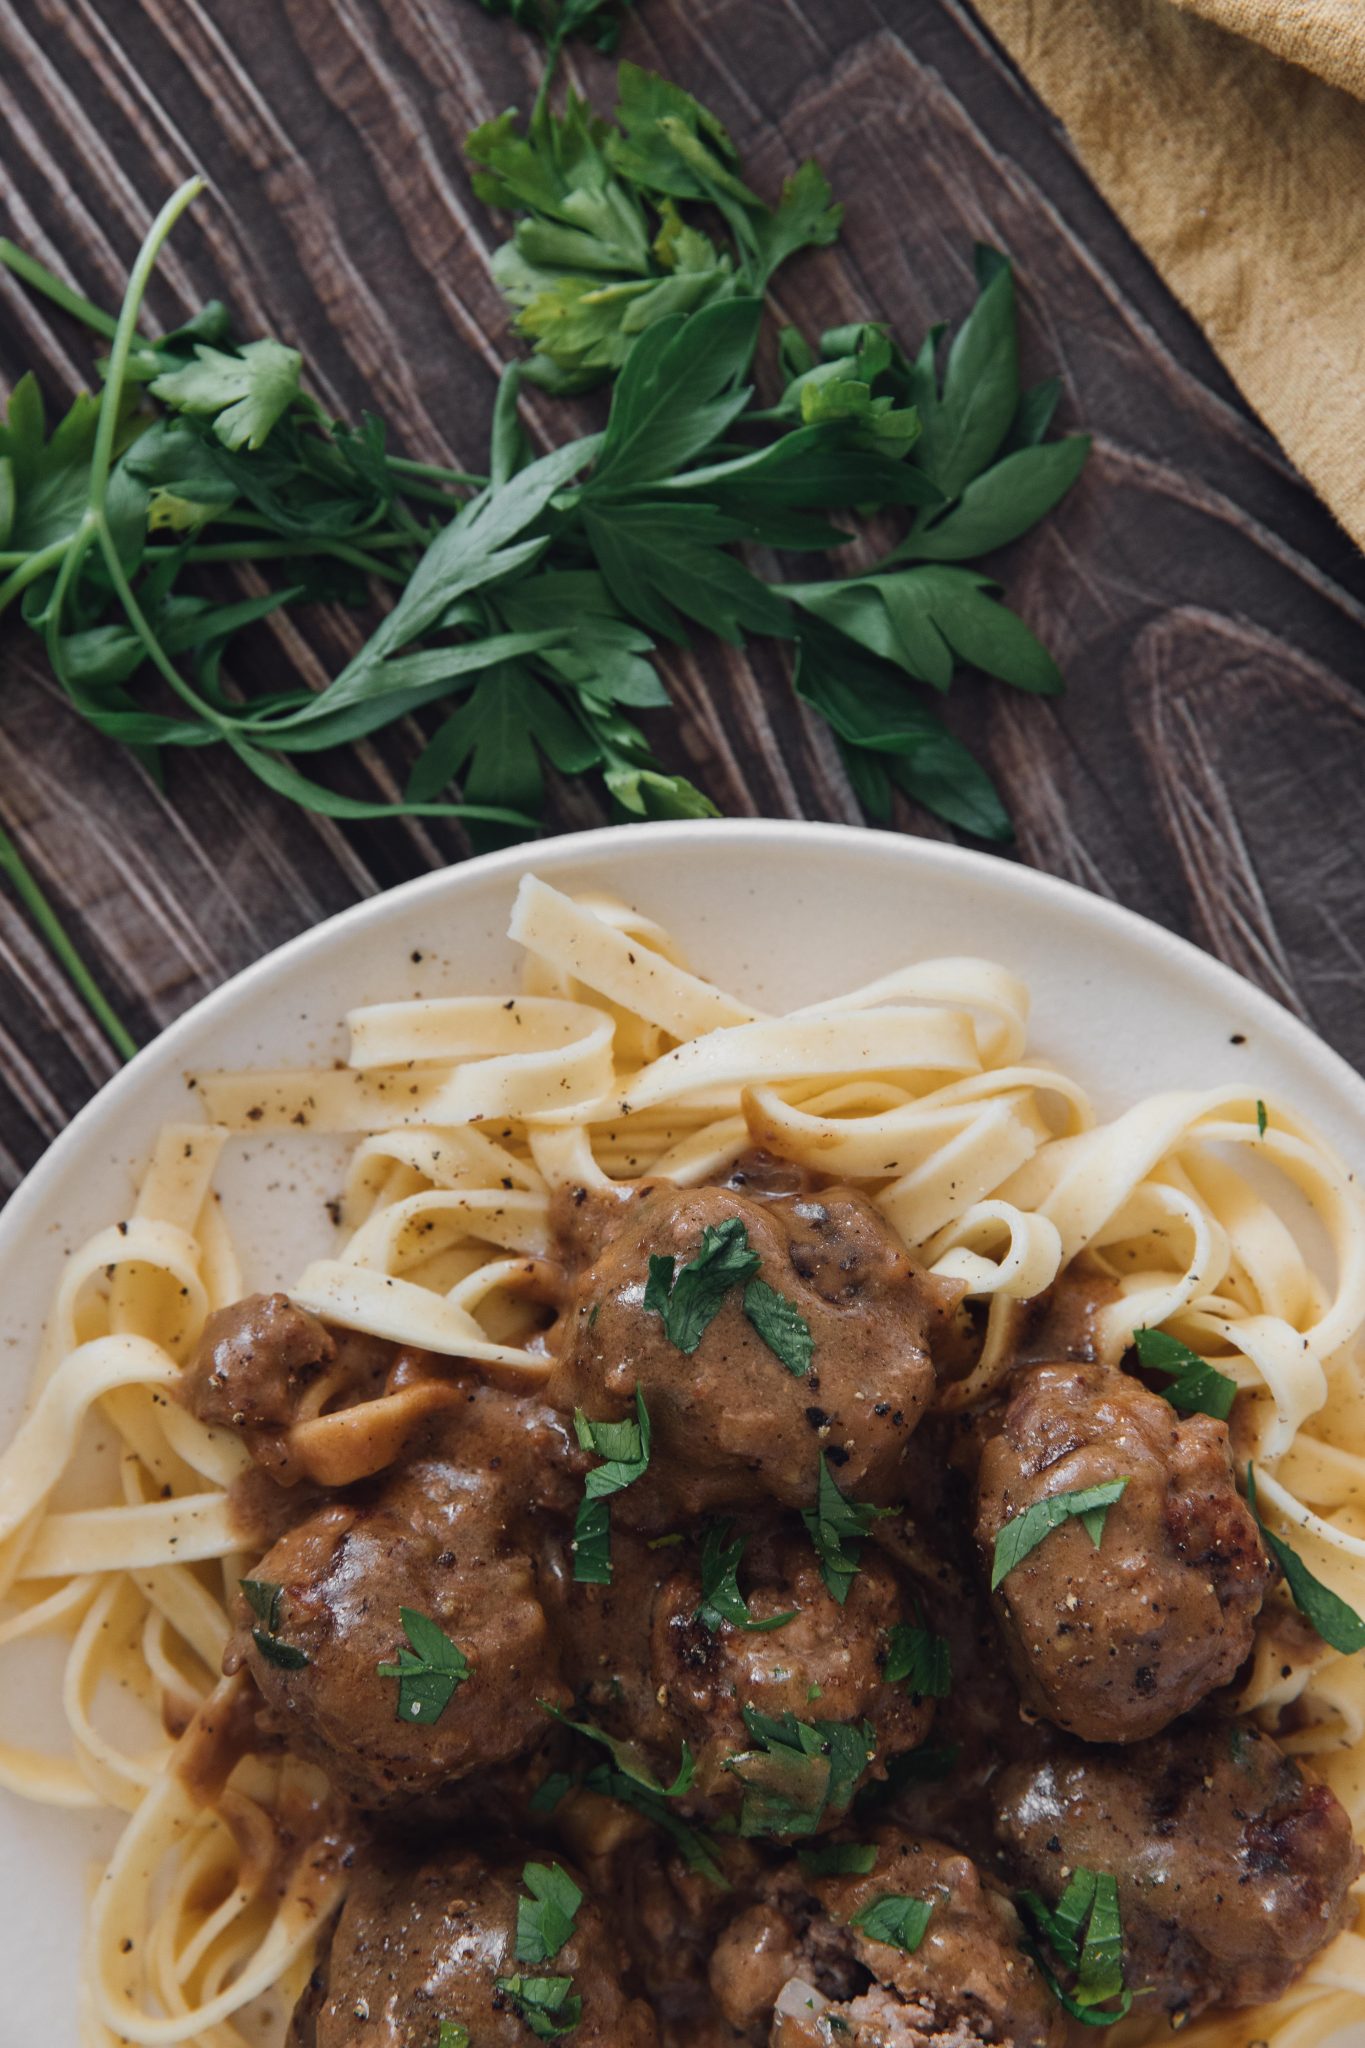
(616, 1060)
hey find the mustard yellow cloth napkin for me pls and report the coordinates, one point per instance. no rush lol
(1242, 175)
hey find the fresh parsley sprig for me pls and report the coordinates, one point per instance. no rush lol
(1195, 1387)
(920, 1661)
(836, 1526)
(602, 249)
(689, 1297)
(430, 1669)
(1084, 1931)
(545, 1921)
(1022, 1534)
(898, 1921)
(798, 1771)
(781, 1325)
(1337, 1623)
(625, 1447)
(549, 2006)
(263, 1597)
(721, 1600)
(838, 1859)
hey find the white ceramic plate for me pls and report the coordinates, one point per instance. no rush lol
(784, 913)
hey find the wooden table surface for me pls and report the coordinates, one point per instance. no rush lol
(1207, 766)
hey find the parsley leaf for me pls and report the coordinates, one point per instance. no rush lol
(1197, 1388)
(452, 2035)
(245, 394)
(429, 1672)
(626, 1757)
(549, 2005)
(689, 1297)
(545, 1921)
(625, 1447)
(919, 1660)
(694, 1845)
(1024, 1532)
(263, 1598)
(1084, 1931)
(798, 1771)
(838, 1859)
(1262, 1120)
(781, 1325)
(898, 1921)
(598, 21)
(721, 1599)
(287, 1655)
(836, 1526)
(1337, 1623)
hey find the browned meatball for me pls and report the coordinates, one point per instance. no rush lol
(730, 1420)
(645, 1668)
(797, 1965)
(827, 1663)
(1233, 1866)
(419, 1942)
(1113, 1643)
(452, 1537)
(255, 1363)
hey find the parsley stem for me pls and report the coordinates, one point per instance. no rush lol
(286, 550)
(404, 467)
(30, 568)
(51, 929)
(111, 398)
(39, 278)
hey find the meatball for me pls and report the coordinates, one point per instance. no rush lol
(255, 1363)
(1113, 1643)
(457, 1542)
(1233, 1866)
(647, 1669)
(826, 1663)
(265, 1366)
(797, 1959)
(419, 1942)
(730, 1420)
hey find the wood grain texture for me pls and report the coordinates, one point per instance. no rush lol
(1207, 763)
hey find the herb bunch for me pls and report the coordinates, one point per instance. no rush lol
(531, 602)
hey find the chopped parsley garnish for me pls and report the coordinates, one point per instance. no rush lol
(1338, 1624)
(1085, 1933)
(798, 1770)
(836, 1526)
(919, 1660)
(838, 1859)
(429, 1673)
(898, 1921)
(545, 1920)
(627, 1758)
(550, 1791)
(689, 1297)
(1088, 1505)
(452, 2035)
(1197, 1388)
(781, 1325)
(263, 1598)
(721, 1599)
(1262, 1120)
(549, 2006)
(625, 1447)
(694, 1845)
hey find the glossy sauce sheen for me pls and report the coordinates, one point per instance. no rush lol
(460, 1504)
